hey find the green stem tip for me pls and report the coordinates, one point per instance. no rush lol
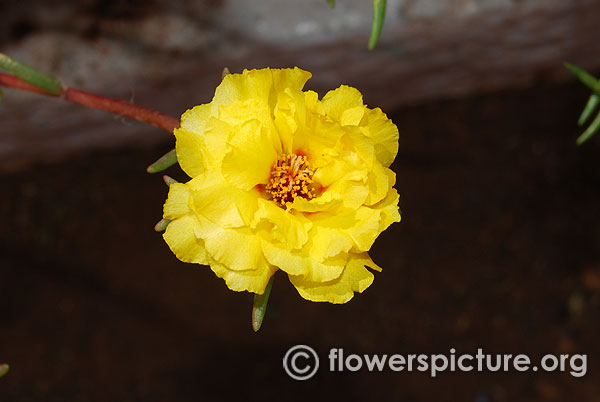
(592, 129)
(4, 369)
(225, 72)
(590, 106)
(377, 23)
(169, 180)
(161, 226)
(259, 308)
(585, 77)
(164, 162)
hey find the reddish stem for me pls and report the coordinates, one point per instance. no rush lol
(11, 81)
(122, 108)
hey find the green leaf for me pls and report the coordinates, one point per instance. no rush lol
(377, 23)
(164, 162)
(590, 106)
(161, 226)
(169, 180)
(331, 3)
(591, 130)
(584, 77)
(4, 369)
(28, 74)
(259, 307)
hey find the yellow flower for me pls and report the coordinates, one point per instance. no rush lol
(283, 180)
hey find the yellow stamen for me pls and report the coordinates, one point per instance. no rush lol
(291, 177)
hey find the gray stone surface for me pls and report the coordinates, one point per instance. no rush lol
(168, 56)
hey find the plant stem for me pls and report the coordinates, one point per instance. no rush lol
(12, 81)
(114, 106)
(30, 75)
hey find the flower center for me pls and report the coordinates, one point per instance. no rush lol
(291, 177)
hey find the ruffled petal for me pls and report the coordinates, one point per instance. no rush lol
(326, 202)
(354, 278)
(299, 262)
(188, 146)
(362, 225)
(292, 78)
(339, 100)
(365, 228)
(379, 183)
(319, 140)
(242, 112)
(251, 155)
(352, 116)
(286, 226)
(328, 242)
(254, 281)
(222, 203)
(389, 210)
(182, 241)
(195, 119)
(383, 133)
(238, 249)
(215, 138)
(178, 201)
(259, 84)
(352, 189)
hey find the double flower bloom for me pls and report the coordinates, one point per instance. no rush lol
(283, 180)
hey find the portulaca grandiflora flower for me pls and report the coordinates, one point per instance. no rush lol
(283, 180)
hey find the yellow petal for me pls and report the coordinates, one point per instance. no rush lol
(365, 228)
(254, 281)
(331, 172)
(250, 157)
(353, 192)
(354, 278)
(241, 112)
(287, 227)
(291, 261)
(292, 78)
(380, 182)
(339, 100)
(285, 119)
(356, 143)
(299, 262)
(383, 133)
(189, 145)
(352, 116)
(319, 140)
(389, 209)
(182, 241)
(261, 84)
(195, 119)
(178, 201)
(362, 225)
(328, 201)
(215, 138)
(222, 203)
(328, 242)
(238, 248)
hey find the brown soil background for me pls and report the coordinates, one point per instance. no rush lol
(498, 248)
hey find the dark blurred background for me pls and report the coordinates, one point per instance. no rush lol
(498, 247)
